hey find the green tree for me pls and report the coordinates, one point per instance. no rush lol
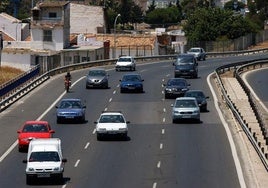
(164, 16)
(208, 24)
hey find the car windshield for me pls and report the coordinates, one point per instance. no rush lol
(111, 119)
(124, 59)
(194, 50)
(131, 78)
(176, 83)
(185, 103)
(96, 73)
(70, 104)
(44, 156)
(195, 94)
(35, 128)
(184, 60)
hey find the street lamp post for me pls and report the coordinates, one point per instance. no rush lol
(115, 34)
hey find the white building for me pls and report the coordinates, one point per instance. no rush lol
(49, 44)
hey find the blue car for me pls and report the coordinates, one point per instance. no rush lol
(131, 83)
(71, 110)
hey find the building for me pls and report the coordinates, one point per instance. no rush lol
(49, 42)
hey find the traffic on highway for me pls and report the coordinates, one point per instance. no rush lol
(155, 151)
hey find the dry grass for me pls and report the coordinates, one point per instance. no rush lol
(8, 73)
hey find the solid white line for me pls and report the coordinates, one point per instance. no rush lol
(77, 162)
(8, 151)
(229, 136)
(39, 118)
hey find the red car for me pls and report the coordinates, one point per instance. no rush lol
(33, 129)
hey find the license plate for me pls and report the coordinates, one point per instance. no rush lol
(70, 117)
(43, 175)
(186, 116)
(131, 87)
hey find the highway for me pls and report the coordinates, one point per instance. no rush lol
(157, 153)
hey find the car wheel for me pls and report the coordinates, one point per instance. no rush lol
(99, 136)
(173, 121)
(20, 149)
(29, 180)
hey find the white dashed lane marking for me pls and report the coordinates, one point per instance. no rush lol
(77, 162)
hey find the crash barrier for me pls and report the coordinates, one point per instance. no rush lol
(253, 123)
(15, 84)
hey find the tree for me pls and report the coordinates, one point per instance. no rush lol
(164, 16)
(208, 24)
(151, 7)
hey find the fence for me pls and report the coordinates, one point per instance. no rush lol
(241, 43)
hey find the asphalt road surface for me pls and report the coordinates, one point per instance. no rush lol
(157, 153)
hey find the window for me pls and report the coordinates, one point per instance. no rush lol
(52, 15)
(47, 35)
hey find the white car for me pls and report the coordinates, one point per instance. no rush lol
(185, 108)
(111, 123)
(44, 160)
(125, 63)
(199, 53)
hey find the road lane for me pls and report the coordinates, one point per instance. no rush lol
(146, 137)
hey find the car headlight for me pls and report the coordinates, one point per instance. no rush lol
(168, 89)
(196, 111)
(57, 169)
(31, 169)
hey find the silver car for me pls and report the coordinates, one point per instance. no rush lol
(97, 78)
(185, 108)
(125, 63)
(199, 53)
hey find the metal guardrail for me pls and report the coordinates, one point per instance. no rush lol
(239, 68)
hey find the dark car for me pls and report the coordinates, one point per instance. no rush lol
(200, 97)
(131, 83)
(97, 78)
(71, 110)
(176, 87)
(186, 66)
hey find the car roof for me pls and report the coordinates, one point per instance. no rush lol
(185, 98)
(36, 122)
(111, 113)
(185, 54)
(132, 74)
(125, 56)
(71, 99)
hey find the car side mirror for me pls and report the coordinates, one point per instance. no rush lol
(128, 122)
(64, 160)
(172, 105)
(95, 122)
(52, 131)
(56, 107)
(24, 160)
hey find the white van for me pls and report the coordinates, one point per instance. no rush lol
(44, 159)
